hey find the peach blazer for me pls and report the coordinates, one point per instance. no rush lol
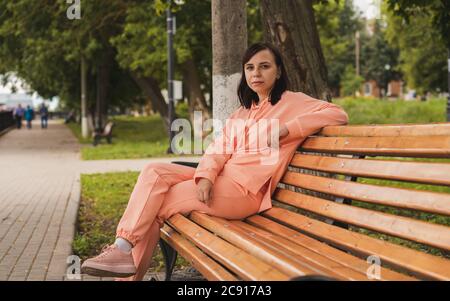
(239, 153)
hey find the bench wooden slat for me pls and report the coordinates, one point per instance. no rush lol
(425, 147)
(281, 243)
(415, 230)
(239, 262)
(291, 264)
(427, 201)
(433, 129)
(418, 263)
(418, 172)
(210, 269)
(282, 234)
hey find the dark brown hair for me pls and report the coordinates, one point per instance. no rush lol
(245, 93)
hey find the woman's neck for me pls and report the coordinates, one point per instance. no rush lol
(262, 97)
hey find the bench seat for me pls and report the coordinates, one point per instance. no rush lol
(356, 203)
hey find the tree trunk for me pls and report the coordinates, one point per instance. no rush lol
(229, 41)
(151, 90)
(290, 25)
(103, 82)
(195, 95)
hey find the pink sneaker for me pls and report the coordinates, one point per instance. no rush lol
(112, 262)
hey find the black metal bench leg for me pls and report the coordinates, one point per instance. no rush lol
(170, 258)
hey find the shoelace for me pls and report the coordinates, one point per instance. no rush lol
(106, 249)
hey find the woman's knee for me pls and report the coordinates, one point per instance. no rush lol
(155, 166)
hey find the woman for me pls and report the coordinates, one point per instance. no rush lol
(232, 185)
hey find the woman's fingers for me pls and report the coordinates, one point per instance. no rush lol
(204, 196)
(209, 197)
(204, 191)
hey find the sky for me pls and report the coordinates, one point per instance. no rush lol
(369, 8)
(37, 100)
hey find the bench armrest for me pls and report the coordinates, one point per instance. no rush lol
(191, 164)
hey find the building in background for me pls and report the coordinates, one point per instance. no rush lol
(394, 89)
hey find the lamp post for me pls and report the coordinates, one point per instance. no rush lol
(170, 32)
(448, 97)
(387, 67)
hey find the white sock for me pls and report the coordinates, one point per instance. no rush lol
(123, 244)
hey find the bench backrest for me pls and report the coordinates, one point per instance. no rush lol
(108, 128)
(388, 184)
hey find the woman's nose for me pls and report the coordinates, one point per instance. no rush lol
(256, 72)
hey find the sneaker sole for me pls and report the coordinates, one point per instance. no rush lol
(103, 273)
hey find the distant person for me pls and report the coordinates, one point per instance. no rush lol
(43, 111)
(29, 116)
(18, 115)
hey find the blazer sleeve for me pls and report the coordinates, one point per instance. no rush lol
(217, 153)
(320, 114)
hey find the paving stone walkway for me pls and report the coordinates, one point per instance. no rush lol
(39, 197)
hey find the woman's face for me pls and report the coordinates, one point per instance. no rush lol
(261, 72)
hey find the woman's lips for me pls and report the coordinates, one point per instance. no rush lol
(257, 83)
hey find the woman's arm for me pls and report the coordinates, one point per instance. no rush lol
(320, 115)
(217, 154)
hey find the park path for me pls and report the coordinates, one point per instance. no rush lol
(39, 198)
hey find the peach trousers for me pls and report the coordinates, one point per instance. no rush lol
(164, 189)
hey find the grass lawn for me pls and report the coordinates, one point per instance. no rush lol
(104, 199)
(376, 111)
(104, 196)
(133, 137)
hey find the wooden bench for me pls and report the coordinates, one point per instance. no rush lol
(351, 226)
(106, 133)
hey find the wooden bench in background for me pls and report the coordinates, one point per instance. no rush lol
(106, 133)
(354, 223)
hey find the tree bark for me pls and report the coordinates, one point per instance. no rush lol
(151, 90)
(290, 25)
(103, 87)
(229, 41)
(195, 96)
(103, 76)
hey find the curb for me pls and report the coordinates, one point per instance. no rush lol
(57, 270)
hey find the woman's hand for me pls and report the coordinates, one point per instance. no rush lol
(204, 191)
(283, 132)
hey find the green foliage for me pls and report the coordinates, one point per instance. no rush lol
(437, 10)
(379, 61)
(41, 45)
(351, 82)
(133, 137)
(254, 26)
(337, 23)
(422, 54)
(376, 111)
